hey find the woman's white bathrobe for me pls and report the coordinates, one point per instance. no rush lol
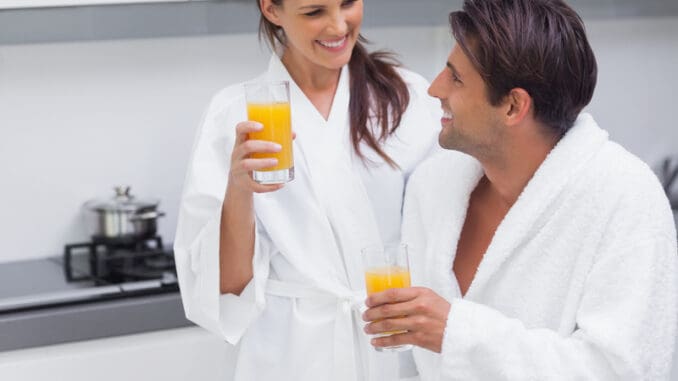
(296, 319)
(579, 281)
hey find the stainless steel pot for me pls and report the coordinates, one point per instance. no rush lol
(122, 217)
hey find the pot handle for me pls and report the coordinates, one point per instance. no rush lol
(147, 216)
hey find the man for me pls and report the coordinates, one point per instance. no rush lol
(545, 251)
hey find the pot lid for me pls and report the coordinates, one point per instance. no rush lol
(122, 201)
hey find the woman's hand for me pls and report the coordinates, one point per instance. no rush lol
(242, 165)
(417, 310)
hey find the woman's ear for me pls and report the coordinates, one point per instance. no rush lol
(270, 11)
(519, 103)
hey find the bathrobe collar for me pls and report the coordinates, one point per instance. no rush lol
(525, 218)
(346, 217)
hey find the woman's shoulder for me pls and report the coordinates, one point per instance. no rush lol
(228, 101)
(226, 98)
(414, 80)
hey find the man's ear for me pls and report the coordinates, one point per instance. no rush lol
(270, 11)
(518, 106)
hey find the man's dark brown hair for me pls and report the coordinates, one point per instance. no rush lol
(537, 45)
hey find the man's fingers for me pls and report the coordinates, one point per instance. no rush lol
(402, 322)
(393, 295)
(395, 339)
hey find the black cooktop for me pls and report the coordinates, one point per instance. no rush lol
(88, 272)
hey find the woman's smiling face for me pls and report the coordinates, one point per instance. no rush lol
(320, 32)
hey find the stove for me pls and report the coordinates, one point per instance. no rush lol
(89, 272)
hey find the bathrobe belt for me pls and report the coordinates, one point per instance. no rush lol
(347, 301)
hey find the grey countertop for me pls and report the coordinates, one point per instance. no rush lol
(86, 321)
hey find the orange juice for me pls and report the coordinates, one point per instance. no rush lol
(276, 120)
(382, 278)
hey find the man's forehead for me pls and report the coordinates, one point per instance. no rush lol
(457, 58)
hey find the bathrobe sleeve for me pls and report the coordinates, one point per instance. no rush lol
(196, 246)
(625, 323)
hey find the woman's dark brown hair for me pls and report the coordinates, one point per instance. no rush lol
(537, 45)
(377, 90)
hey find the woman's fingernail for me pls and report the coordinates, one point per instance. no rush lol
(276, 147)
(258, 126)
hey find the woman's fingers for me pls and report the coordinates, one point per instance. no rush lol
(262, 188)
(257, 164)
(248, 147)
(242, 130)
(244, 158)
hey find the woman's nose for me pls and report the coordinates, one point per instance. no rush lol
(338, 24)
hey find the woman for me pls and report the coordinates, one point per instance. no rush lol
(274, 269)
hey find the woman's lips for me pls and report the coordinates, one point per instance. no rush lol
(334, 45)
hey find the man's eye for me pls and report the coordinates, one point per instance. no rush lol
(453, 76)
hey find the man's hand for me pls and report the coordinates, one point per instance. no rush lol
(417, 310)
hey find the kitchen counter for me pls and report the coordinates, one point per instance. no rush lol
(70, 323)
(59, 299)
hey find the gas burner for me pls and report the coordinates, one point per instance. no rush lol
(128, 243)
(114, 262)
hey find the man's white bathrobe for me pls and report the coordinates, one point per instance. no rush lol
(296, 319)
(579, 281)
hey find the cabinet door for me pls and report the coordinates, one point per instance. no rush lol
(173, 355)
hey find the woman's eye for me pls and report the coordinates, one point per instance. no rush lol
(313, 13)
(347, 3)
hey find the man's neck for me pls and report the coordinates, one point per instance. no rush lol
(510, 173)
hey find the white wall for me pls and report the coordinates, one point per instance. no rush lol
(78, 118)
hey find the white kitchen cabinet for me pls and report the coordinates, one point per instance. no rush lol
(66, 3)
(172, 355)
(56, 21)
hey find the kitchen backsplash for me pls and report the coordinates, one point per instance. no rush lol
(78, 118)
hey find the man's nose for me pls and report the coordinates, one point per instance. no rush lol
(434, 88)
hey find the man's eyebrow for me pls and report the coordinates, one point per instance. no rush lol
(451, 67)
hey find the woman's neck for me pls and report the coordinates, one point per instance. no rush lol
(318, 83)
(310, 78)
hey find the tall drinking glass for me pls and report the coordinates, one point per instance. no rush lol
(269, 104)
(386, 267)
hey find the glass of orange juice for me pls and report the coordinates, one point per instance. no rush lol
(269, 104)
(386, 267)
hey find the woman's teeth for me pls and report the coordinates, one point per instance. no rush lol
(447, 115)
(332, 44)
